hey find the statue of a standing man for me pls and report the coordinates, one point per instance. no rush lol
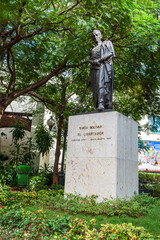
(101, 72)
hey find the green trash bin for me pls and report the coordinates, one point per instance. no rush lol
(23, 174)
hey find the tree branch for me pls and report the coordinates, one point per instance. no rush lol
(38, 96)
(28, 13)
(8, 45)
(21, 10)
(69, 9)
(4, 85)
(36, 85)
(19, 37)
(8, 64)
(11, 70)
(53, 4)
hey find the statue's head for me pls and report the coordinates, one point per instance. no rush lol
(96, 36)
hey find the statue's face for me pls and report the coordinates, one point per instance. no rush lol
(96, 36)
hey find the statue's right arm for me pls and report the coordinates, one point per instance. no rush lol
(105, 57)
(95, 62)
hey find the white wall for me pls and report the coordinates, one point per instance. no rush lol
(24, 105)
(16, 106)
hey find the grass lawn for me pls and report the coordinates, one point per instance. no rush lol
(150, 222)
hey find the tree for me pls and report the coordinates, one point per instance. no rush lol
(61, 99)
(34, 34)
(42, 40)
(137, 86)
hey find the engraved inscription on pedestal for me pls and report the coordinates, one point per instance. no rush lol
(90, 133)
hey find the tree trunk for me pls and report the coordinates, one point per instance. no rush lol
(57, 153)
(3, 106)
(58, 144)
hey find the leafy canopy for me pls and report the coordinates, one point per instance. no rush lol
(42, 39)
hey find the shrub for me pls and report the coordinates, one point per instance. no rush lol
(24, 153)
(38, 182)
(43, 139)
(123, 231)
(8, 198)
(8, 174)
(17, 223)
(150, 183)
(149, 177)
(3, 187)
(80, 229)
(3, 157)
(137, 206)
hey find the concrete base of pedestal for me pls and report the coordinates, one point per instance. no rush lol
(102, 155)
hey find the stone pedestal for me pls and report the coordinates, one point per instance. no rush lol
(102, 155)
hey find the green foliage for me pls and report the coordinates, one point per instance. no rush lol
(28, 152)
(23, 152)
(20, 154)
(18, 132)
(35, 225)
(8, 174)
(123, 231)
(3, 157)
(38, 182)
(30, 225)
(57, 187)
(3, 187)
(135, 207)
(8, 197)
(44, 139)
(149, 177)
(80, 229)
(16, 222)
(4, 175)
(150, 183)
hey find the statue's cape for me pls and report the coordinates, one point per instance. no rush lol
(109, 46)
(106, 70)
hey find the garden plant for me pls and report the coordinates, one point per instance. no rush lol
(46, 214)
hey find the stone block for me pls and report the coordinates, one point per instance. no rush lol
(102, 155)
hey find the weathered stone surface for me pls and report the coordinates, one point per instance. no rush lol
(102, 155)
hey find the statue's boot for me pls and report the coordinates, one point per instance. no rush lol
(110, 106)
(100, 107)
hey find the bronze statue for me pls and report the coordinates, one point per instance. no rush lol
(101, 72)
